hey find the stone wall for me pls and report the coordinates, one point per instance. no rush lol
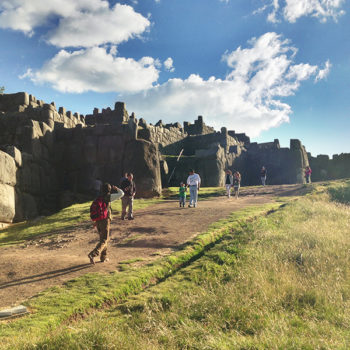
(168, 137)
(108, 116)
(8, 180)
(48, 156)
(284, 165)
(107, 152)
(198, 128)
(324, 168)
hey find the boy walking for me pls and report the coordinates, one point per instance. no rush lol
(101, 213)
(182, 194)
(236, 183)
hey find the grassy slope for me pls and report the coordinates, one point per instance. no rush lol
(57, 304)
(77, 214)
(278, 282)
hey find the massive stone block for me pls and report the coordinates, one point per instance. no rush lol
(7, 169)
(142, 159)
(7, 203)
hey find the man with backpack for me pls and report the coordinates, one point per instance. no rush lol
(101, 214)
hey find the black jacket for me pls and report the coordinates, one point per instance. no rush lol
(128, 187)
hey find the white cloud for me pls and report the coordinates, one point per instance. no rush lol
(94, 69)
(323, 73)
(82, 23)
(292, 10)
(249, 99)
(168, 64)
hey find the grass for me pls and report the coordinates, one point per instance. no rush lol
(280, 281)
(340, 192)
(203, 193)
(65, 219)
(52, 308)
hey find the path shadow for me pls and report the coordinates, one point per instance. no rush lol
(157, 211)
(44, 276)
(144, 243)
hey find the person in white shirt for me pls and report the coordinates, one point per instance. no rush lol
(194, 183)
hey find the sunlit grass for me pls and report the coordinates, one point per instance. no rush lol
(54, 306)
(66, 218)
(281, 281)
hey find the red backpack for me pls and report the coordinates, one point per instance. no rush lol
(99, 209)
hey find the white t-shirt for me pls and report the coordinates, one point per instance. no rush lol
(194, 180)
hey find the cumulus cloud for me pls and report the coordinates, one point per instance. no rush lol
(81, 23)
(168, 64)
(292, 10)
(95, 69)
(323, 73)
(249, 98)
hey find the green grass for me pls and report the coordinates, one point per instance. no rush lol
(280, 281)
(340, 192)
(55, 306)
(203, 193)
(65, 219)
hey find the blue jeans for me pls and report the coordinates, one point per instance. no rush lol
(182, 201)
(263, 180)
(193, 195)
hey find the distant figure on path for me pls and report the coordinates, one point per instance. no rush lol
(236, 183)
(129, 188)
(263, 173)
(101, 213)
(228, 182)
(182, 194)
(194, 183)
(97, 186)
(308, 172)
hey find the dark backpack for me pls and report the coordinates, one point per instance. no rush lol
(98, 209)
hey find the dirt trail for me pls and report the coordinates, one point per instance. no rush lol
(29, 268)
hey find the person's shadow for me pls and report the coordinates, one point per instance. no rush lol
(44, 276)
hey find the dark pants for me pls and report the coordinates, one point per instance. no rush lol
(103, 227)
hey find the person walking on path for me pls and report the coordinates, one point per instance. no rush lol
(129, 188)
(103, 217)
(308, 172)
(182, 194)
(263, 173)
(228, 182)
(194, 183)
(236, 183)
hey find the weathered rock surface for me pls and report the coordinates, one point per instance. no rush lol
(50, 157)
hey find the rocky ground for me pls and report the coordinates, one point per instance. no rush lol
(158, 230)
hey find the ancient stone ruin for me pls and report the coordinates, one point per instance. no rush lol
(48, 156)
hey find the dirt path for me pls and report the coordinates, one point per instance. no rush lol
(29, 268)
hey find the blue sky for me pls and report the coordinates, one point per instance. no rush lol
(273, 69)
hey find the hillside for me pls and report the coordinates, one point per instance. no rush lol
(270, 276)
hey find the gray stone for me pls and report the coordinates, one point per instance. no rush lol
(16, 154)
(7, 170)
(7, 203)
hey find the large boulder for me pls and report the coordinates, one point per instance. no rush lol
(142, 159)
(7, 203)
(7, 170)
